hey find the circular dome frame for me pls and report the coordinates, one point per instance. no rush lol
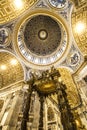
(30, 59)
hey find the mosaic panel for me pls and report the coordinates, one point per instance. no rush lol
(57, 3)
(9, 11)
(4, 36)
(74, 59)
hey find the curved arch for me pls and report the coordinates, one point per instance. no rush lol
(66, 75)
(11, 70)
(12, 53)
(79, 27)
(67, 79)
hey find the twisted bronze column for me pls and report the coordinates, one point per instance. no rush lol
(67, 118)
(41, 112)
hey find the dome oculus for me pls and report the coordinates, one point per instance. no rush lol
(39, 36)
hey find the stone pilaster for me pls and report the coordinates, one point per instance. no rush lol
(26, 108)
(6, 102)
(13, 112)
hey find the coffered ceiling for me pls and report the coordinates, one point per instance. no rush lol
(11, 70)
(14, 15)
(11, 9)
(79, 22)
